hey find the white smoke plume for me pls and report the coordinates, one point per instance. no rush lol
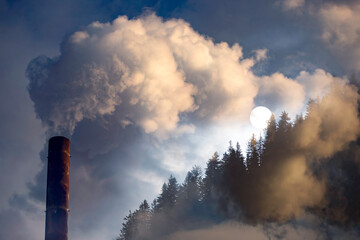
(154, 72)
(160, 75)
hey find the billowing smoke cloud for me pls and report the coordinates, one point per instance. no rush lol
(279, 92)
(150, 71)
(161, 76)
(325, 131)
(317, 84)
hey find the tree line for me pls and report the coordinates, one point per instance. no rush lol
(230, 184)
(203, 196)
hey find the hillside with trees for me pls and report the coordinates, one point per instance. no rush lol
(240, 186)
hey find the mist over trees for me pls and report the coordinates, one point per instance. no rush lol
(282, 175)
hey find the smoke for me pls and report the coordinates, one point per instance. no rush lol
(325, 131)
(285, 185)
(305, 187)
(279, 92)
(115, 87)
(317, 84)
(306, 228)
(11, 219)
(159, 75)
(151, 73)
(225, 231)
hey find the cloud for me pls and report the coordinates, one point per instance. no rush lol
(340, 24)
(28, 33)
(280, 93)
(277, 91)
(326, 131)
(292, 4)
(152, 73)
(159, 75)
(261, 54)
(317, 84)
(287, 197)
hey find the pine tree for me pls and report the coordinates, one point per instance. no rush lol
(172, 191)
(270, 132)
(168, 196)
(212, 177)
(143, 218)
(299, 119)
(191, 189)
(232, 164)
(136, 224)
(232, 175)
(260, 149)
(129, 228)
(252, 155)
(240, 160)
(310, 107)
(284, 127)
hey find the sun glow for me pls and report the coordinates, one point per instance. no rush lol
(259, 117)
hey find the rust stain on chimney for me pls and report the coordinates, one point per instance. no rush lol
(57, 190)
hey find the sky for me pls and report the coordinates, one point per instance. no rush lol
(145, 89)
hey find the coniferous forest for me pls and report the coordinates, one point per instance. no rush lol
(276, 179)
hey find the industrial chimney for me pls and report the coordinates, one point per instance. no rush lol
(57, 191)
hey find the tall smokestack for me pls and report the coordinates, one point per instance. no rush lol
(57, 191)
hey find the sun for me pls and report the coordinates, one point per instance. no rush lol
(259, 117)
